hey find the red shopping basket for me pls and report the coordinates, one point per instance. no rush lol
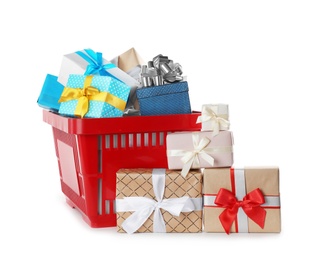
(91, 150)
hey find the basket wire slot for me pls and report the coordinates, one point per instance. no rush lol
(100, 192)
(107, 207)
(161, 138)
(138, 137)
(100, 155)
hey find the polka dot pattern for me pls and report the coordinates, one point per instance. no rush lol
(97, 109)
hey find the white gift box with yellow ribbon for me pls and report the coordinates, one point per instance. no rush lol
(214, 117)
(194, 150)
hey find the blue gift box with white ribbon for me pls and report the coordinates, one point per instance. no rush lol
(165, 99)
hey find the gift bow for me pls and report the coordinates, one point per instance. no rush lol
(143, 206)
(218, 123)
(95, 61)
(191, 158)
(87, 93)
(251, 205)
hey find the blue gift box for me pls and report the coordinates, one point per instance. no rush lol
(163, 100)
(50, 93)
(103, 96)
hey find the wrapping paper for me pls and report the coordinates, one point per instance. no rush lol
(115, 92)
(214, 117)
(194, 150)
(240, 182)
(50, 93)
(138, 183)
(164, 100)
(74, 63)
(130, 62)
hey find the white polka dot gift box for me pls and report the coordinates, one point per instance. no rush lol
(93, 96)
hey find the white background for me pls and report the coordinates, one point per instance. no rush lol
(266, 59)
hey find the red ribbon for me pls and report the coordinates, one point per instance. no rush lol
(250, 204)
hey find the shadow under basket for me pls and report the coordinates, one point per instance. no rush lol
(91, 150)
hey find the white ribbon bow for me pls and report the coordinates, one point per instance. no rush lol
(143, 206)
(191, 158)
(217, 123)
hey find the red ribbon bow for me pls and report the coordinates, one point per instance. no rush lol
(250, 204)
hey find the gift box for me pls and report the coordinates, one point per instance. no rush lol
(194, 150)
(93, 97)
(88, 62)
(215, 117)
(50, 93)
(158, 200)
(130, 62)
(165, 99)
(241, 200)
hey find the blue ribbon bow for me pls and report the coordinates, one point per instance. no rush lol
(96, 65)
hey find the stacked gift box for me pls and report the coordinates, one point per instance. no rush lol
(192, 187)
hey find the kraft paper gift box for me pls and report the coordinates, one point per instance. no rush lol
(89, 62)
(165, 99)
(50, 93)
(130, 62)
(214, 117)
(93, 97)
(243, 200)
(194, 150)
(158, 200)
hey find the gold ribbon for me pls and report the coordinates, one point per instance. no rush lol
(87, 93)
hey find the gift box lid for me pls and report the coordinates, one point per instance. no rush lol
(162, 90)
(50, 93)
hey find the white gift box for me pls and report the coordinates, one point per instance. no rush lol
(214, 117)
(73, 63)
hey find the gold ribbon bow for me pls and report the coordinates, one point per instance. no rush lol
(87, 93)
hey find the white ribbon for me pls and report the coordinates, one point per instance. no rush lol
(191, 158)
(270, 201)
(143, 206)
(217, 123)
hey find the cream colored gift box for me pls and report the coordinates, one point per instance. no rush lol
(214, 117)
(195, 150)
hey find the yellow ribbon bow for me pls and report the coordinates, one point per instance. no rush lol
(87, 93)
